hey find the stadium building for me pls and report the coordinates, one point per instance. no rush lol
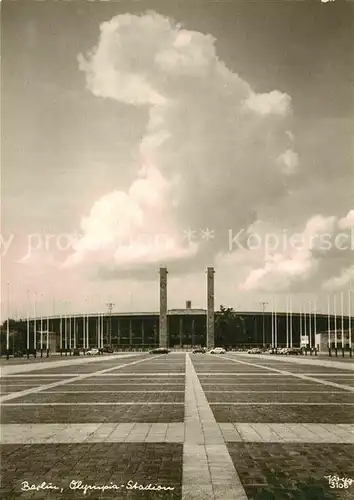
(184, 328)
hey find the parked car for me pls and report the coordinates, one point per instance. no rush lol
(93, 352)
(254, 350)
(201, 350)
(217, 350)
(159, 350)
(292, 350)
(106, 349)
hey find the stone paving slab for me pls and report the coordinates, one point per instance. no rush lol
(113, 387)
(293, 470)
(95, 433)
(341, 380)
(160, 413)
(89, 367)
(301, 360)
(283, 413)
(281, 397)
(289, 432)
(93, 464)
(272, 388)
(299, 375)
(99, 397)
(62, 363)
(77, 378)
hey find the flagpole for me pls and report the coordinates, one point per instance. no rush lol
(350, 319)
(310, 323)
(342, 318)
(87, 326)
(102, 330)
(335, 322)
(28, 322)
(287, 320)
(329, 324)
(97, 333)
(305, 325)
(47, 335)
(315, 321)
(53, 323)
(291, 321)
(66, 328)
(8, 321)
(273, 322)
(70, 334)
(41, 323)
(35, 323)
(61, 334)
(75, 325)
(84, 331)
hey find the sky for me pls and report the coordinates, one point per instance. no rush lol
(182, 134)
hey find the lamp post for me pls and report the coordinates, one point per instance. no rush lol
(264, 305)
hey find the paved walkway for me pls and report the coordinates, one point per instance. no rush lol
(302, 360)
(28, 367)
(178, 432)
(208, 440)
(206, 461)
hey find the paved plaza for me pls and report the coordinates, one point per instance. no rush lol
(178, 426)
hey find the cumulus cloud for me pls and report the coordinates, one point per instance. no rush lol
(345, 279)
(213, 152)
(322, 250)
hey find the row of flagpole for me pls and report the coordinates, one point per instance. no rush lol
(68, 327)
(308, 321)
(341, 329)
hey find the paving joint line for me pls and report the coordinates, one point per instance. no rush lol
(296, 375)
(83, 376)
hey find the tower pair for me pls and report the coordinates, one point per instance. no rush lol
(163, 339)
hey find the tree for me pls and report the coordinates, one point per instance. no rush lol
(229, 326)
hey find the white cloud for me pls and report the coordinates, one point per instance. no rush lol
(289, 161)
(345, 279)
(211, 142)
(274, 102)
(347, 222)
(312, 254)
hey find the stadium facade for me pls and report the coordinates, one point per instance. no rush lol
(183, 328)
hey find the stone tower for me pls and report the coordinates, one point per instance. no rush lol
(163, 342)
(210, 308)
